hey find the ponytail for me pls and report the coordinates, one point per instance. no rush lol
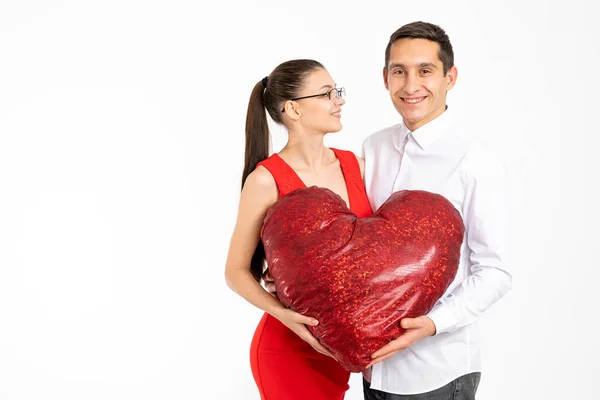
(257, 132)
(257, 149)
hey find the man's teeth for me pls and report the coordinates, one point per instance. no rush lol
(413, 101)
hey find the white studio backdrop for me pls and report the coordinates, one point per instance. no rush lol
(121, 149)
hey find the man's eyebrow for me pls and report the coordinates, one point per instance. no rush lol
(396, 65)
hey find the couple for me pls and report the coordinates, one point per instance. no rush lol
(438, 355)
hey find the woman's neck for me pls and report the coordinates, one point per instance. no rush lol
(306, 152)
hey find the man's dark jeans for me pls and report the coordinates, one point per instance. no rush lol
(463, 388)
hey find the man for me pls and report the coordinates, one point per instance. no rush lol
(438, 355)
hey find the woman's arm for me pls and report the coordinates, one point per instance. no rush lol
(361, 164)
(258, 194)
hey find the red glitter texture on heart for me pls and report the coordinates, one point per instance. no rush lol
(360, 276)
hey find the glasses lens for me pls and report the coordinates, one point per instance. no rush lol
(337, 93)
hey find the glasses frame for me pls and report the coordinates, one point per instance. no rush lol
(339, 94)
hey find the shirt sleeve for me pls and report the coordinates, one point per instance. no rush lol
(485, 214)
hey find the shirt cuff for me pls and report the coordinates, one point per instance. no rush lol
(443, 318)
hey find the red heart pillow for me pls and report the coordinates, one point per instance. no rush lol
(360, 276)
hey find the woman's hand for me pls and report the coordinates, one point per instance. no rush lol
(297, 324)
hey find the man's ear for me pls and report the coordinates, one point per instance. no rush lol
(385, 78)
(451, 77)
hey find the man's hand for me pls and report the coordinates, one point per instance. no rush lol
(269, 282)
(416, 329)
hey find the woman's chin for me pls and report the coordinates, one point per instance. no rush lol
(337, 127)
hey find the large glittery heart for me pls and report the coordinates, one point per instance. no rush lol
(360, 276)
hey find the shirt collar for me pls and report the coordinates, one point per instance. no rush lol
(427, 134)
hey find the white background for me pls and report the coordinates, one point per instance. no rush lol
(121, 149)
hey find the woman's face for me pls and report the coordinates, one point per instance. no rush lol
(320, 113)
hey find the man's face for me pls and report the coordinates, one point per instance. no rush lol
(416, 82)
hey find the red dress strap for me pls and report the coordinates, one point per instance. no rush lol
(285, 177)
(359, 202)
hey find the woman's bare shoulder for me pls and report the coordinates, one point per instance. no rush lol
(261, 186)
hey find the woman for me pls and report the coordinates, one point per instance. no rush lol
(287, 361)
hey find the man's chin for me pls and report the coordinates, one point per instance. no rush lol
(410, 119)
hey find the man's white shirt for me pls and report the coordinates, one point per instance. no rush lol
(438, 159)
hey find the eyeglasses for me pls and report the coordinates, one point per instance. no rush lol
(340, 93)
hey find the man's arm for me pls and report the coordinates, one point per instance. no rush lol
(485, 213)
